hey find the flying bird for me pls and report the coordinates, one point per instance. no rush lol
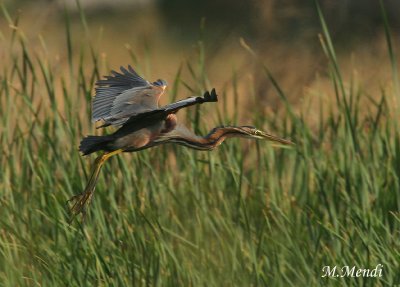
(127, 101)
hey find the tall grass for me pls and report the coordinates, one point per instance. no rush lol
(245, 215)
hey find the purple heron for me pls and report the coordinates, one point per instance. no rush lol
(128, 101)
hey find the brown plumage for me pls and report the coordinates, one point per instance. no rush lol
(130, 102)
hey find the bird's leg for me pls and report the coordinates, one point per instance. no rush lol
(82, 200)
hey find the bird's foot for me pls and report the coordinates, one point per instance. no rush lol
(80, 202)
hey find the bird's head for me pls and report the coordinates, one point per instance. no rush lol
(160, 83)
(254, 133)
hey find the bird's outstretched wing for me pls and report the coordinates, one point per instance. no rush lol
(123, 94)
(141, 120)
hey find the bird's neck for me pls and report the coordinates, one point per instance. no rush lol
(213, 139)
(216, 136)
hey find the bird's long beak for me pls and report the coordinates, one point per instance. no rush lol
(273, 138)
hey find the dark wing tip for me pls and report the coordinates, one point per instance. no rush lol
(214, 96)
(207, 97)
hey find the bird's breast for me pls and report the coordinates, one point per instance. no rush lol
(134, 140)
(140, 138)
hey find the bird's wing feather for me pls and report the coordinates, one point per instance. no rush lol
(161, 113)
(122, 95)
(174, 107)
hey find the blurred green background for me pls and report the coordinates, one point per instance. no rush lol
(247, 214)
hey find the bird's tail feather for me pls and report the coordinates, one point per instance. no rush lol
(92, 144)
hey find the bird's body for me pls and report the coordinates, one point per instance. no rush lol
(140, 138)
(127, 101)
(129, 141)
